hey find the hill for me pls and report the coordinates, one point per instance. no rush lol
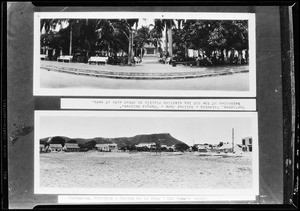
(159, 138)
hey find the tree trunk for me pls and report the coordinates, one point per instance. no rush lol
(132, 53)
(129, 48)
(71, 35)
(170, 40)
(166, 40)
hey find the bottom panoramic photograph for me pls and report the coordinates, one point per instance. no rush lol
(131, 152)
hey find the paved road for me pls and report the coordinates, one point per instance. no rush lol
(234, 82)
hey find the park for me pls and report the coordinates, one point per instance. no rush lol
(142, 48)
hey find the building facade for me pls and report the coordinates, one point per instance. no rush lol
(247, 144)
(107, 147)
(55, 147)
(72, 147)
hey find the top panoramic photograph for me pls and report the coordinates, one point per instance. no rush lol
(144, 54)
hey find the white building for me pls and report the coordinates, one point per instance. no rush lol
(247, 144)
(107, 147)
(148, 145)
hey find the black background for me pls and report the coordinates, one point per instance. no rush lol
(21, 103)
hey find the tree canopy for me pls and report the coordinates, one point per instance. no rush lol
(89, 37)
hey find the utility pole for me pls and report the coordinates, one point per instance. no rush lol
(71, 36)
(232, 140)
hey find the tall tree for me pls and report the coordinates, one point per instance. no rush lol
(142, 37)
(130, 23)
(155, 37)
(166, 25)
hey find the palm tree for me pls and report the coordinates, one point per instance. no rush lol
(130, 23)
(166, 24)
(155, 36)
(111, 31)
(142, 37)
(105, 30)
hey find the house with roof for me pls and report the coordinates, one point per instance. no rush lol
(72, 147)
(247, 144)
(107, 147)
(226, 148)
(203, 147)
(55, 147)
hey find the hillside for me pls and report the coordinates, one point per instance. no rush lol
(160, 138)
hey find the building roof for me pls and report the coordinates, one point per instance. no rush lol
(72, 145)
(55, 145)
(226, 146)
(105, 145)
(101, 145)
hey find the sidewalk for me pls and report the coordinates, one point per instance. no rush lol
(143, 70)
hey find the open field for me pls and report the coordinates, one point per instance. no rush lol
(143, 170)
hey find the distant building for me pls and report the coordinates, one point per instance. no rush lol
(247, 144)
(148, 145)
(226, 147)
(150, 50)
(107, 147)
(55, 147)
(203, 147)
(72, 147)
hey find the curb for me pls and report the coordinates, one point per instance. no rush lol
(137, 76)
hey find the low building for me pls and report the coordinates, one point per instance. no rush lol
(203, 148)
(226, 148)
(247, 144)
(72, 147)
(148, 145)
(107, 147)
(55, 147)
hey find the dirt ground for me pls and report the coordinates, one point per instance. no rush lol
(143, 170)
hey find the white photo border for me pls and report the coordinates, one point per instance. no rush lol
(251, 192)
(38, 91)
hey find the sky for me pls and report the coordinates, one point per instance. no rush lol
(191, 130)
(142, 22)
(145, 22)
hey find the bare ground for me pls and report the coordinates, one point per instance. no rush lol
(142, 170)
